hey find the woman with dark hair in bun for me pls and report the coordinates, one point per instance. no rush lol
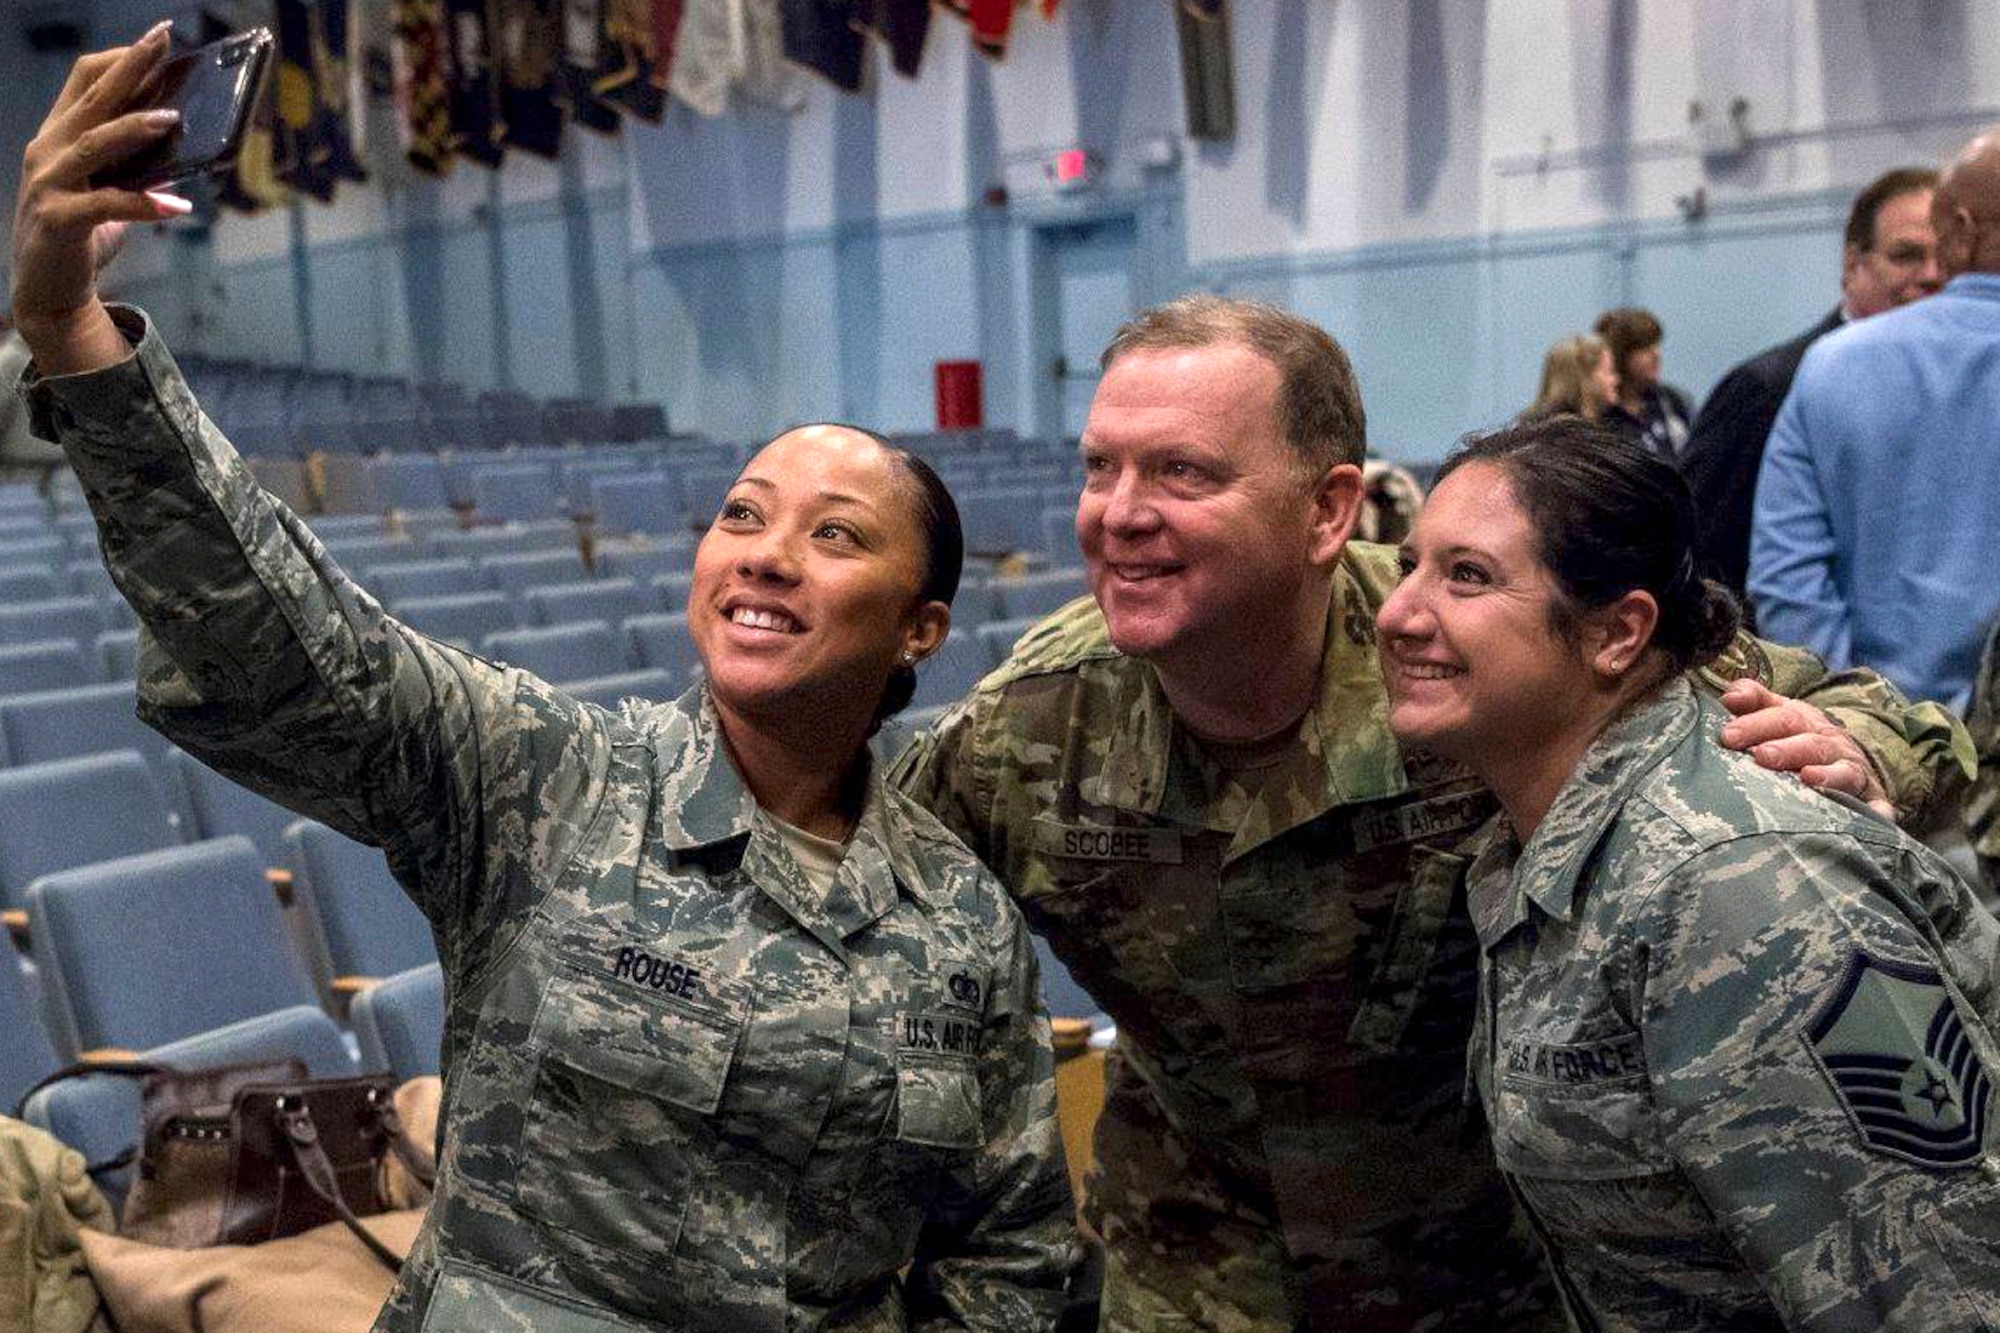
(736, 1037)
(1735, 1038)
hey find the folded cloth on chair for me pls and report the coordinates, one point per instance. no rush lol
(319, 1281)
(46, 1200)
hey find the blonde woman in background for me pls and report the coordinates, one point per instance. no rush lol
(1578, 377)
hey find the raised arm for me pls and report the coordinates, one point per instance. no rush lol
(257, 654)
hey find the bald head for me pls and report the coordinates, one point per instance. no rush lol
(1966, 209)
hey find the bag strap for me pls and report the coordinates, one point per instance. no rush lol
(120, 1068)
(295, 1119)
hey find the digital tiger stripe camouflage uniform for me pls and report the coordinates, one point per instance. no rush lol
(1736, 1048)
(682, 1090)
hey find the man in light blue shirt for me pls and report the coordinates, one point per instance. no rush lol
(1876, 540)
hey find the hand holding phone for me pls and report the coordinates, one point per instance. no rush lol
(215, 90)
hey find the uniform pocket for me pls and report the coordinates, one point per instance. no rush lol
(937, 1102)
(618, 1127)
(470, 1298)
(1606, 1131)
(1398, 984)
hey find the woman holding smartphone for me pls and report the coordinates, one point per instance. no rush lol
(736, 1038)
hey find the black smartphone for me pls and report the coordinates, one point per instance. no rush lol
(215, 88)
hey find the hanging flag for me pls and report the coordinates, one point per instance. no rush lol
(990, 20)
(624, 75)
(1207, 83)
(422, 59)
(583, 44)
(818, 36)
(531, 44)
(765, 77)
(302, 152)
(478, 131)
(711, 52)
(902, 26)
(666, 34)
(337, 104)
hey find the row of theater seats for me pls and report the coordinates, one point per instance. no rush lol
(619, 490)
(292, 409)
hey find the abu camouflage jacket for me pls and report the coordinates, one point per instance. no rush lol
(1736, 1048)
(1286, 1134)
(683, 1090)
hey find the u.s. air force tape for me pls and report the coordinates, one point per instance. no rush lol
(1098, 842)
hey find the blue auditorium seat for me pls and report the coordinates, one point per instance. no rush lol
(505, 539)
(29, 583)
(424, 578)
(516, 572)
(128, 949)
(947, 674)
(896, 732)
(702, 490)
(466, 618)
(647, 561)
(51, 665)
(223, 807)
(46, 552)
(638, 502)
(576, 650)
(611, 600)
(98, 1114)
(118, 654)
(999, 636)
(355, 921)
(663, 643)
(79, 619)
(72, 812)
(1001, 518)
(26, 1054)
(399, 1023)
(364, 552)
(1037, 595)
(670, 591)
(517, 492)
(1059, 533)
(407, 481)
(89, 719)
(652, 686)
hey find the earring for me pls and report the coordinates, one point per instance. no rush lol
(909, 659)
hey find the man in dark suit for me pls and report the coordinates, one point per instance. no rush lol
(1890, 260)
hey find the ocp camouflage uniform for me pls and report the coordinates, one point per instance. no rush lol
(1286, 1132)
(1735, 1047)
(683, 1090)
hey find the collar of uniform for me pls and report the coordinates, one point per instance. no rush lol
(703, 801)
(1347, 726)
(1617, 761)
(701, 796)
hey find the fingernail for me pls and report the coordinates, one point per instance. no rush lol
(162, 118)
(170, 204)
(158, 30)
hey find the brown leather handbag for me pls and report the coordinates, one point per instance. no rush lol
(241, 1154)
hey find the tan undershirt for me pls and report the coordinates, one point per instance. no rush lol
(818, 857)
